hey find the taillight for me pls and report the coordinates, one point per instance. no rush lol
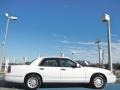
(9, 69)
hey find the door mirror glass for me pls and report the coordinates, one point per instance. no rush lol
(78, 65)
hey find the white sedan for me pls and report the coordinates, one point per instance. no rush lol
(58, 70)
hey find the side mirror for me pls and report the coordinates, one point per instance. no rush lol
(78, 65)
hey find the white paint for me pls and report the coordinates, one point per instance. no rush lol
(55, 74)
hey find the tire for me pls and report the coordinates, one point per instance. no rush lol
(98, 81)
(33, 82)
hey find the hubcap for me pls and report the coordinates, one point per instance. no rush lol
(98, 82)
(32, 82)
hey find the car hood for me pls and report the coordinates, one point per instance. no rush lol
(96, 70)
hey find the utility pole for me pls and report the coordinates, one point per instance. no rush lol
(98, 43)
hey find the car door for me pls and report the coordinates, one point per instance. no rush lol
(70, 72)
(50, 70)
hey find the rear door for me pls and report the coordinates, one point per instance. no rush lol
(50, 70)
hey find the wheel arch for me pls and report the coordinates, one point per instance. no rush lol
(99, 74)
(34, 74)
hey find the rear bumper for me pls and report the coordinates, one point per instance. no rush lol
(14, 78)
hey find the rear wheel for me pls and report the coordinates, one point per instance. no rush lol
(33, 82)
(98, 81)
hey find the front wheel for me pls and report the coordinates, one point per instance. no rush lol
(98, 81)
(33, 82)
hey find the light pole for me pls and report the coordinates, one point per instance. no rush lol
(102, 56)
(5, 37)
(98, 42)
(73, 52)
(61, 54)
(106, 18)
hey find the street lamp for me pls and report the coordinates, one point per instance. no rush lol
(6, 30)
(106, 18)
(5, 37)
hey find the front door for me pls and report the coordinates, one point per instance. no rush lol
(70, 72)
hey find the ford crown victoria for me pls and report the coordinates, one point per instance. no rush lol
(58, 70)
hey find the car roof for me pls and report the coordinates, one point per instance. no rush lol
(55, 57)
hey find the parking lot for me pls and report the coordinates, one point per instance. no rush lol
(13, 86)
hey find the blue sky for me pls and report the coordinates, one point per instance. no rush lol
(47, 26)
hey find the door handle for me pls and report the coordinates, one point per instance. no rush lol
(41, 68)
(63, 69)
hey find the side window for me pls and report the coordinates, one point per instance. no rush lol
(49, 63)
(67, 63)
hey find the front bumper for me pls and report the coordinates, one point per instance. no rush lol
(111, 79)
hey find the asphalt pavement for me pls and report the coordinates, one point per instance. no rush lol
(14, 86)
